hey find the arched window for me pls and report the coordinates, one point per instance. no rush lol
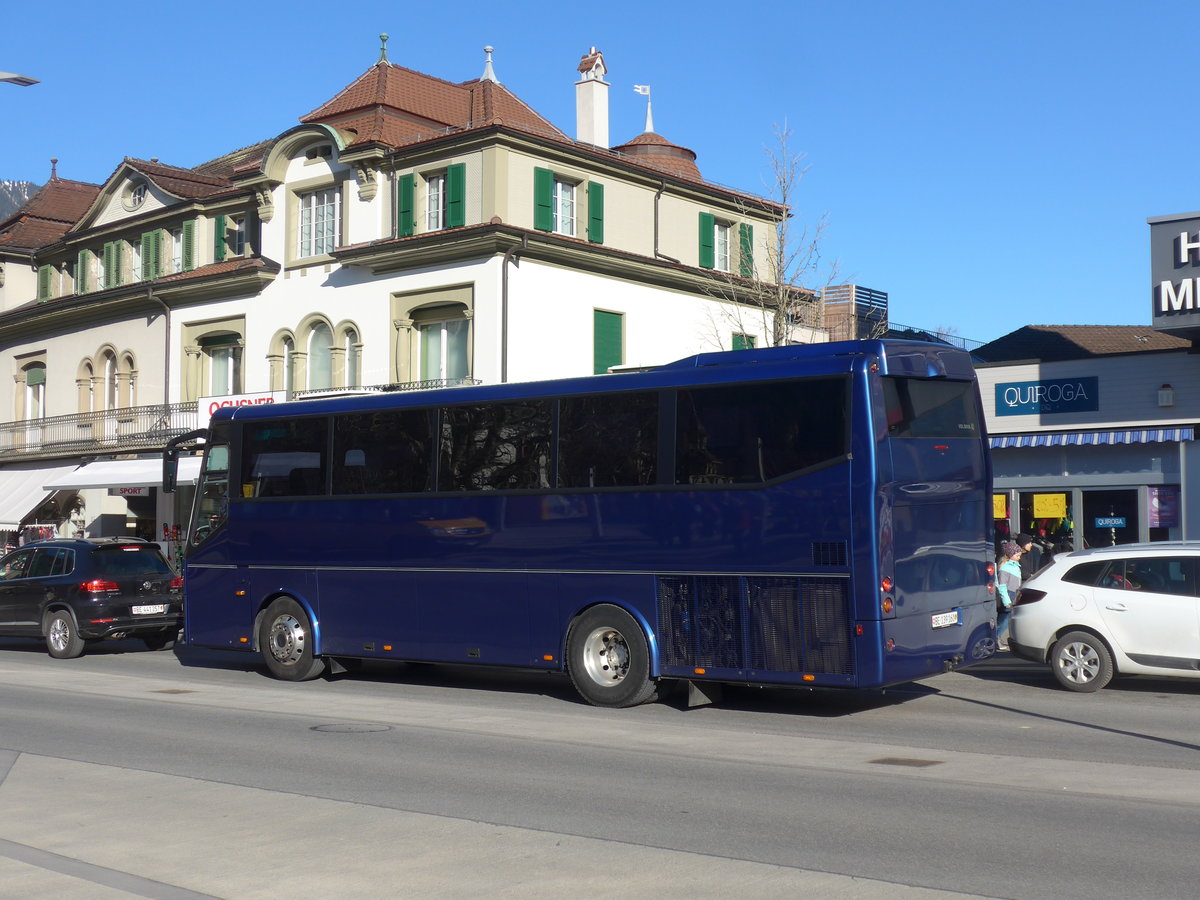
(320, 357)
(353, 358)
(109, 364)
(289, 365)
(35, 391)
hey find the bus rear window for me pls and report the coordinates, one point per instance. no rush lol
(925, 408)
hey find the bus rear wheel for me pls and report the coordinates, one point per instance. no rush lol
(285, 640)
(608, 658)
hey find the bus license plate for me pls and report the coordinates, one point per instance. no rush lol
(161, 608)
(944, 620)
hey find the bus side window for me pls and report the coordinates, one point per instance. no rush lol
(286, 458)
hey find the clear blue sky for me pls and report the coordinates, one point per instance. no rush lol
(989, 165)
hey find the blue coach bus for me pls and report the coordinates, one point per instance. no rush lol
(806, 516)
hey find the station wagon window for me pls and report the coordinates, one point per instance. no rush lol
(753, 433)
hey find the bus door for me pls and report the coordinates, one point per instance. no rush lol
(211, 579)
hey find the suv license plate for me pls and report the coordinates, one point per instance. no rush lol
(161, 608)
(944, 620)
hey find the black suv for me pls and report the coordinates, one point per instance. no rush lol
(73, 591)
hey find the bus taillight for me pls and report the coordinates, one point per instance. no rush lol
(991, 583)
(885, 587)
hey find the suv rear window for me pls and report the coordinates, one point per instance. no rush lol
(126, 561)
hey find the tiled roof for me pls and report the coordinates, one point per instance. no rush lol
(48, 214)
(1050, 343)
(389, 102)
(656, 152)
(187, 183)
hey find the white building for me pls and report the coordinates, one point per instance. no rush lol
(410, 231)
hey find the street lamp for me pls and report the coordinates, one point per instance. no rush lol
(14, 78)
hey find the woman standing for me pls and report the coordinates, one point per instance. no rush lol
(1008, 582)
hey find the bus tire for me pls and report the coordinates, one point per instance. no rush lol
(62, 637)
(285, 639)
(608, 658)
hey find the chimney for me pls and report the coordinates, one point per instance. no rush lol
(591, 100)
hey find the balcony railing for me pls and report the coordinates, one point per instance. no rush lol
(111, 430)
(146, 427)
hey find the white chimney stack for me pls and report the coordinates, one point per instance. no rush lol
(591, 100)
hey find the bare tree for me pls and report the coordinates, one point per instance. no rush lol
(780, 299)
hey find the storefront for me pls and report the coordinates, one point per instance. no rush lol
(124, 498)
(1096, 449)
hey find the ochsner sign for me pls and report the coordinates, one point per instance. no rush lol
(206, 406)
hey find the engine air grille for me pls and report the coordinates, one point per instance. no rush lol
(768, 624)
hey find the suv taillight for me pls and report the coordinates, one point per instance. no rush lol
(1028, 595)
(98, 586)
(176, 583)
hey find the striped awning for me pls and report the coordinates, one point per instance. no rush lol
(1062, 438)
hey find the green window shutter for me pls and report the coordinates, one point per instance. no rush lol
(110, 264)
(595, 212)
(743, 341)
(118, 262)
(456, 195)
(43, 287)
(708, 250)
(607, 347)
(81, 272)
(189, 245)
(406, 189)
(543, 194)
(149, 255)
(219, 239)
(746, 250)
(35, 375)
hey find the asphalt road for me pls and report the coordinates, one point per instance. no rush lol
(189, 773)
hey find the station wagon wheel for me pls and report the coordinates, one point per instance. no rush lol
(1081, 662)
(62, 638)
(608, 659)
(285, 640)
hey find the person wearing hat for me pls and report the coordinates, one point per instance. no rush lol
(1008, 582)
(1031, 556)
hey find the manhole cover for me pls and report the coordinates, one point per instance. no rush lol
(359, 728)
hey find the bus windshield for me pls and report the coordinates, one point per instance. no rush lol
(921, 407)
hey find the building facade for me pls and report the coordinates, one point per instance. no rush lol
(1092, 431)
(409, 232)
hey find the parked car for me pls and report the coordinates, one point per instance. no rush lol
(1133, 609)
(74, 591)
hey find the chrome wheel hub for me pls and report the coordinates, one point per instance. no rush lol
(287, 640)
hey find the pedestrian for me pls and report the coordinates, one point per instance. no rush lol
(1008, 582)
(1031, 556)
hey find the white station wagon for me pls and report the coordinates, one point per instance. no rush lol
(1133, 609)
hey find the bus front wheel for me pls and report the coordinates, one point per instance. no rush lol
(286, 641)
(608, 659)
